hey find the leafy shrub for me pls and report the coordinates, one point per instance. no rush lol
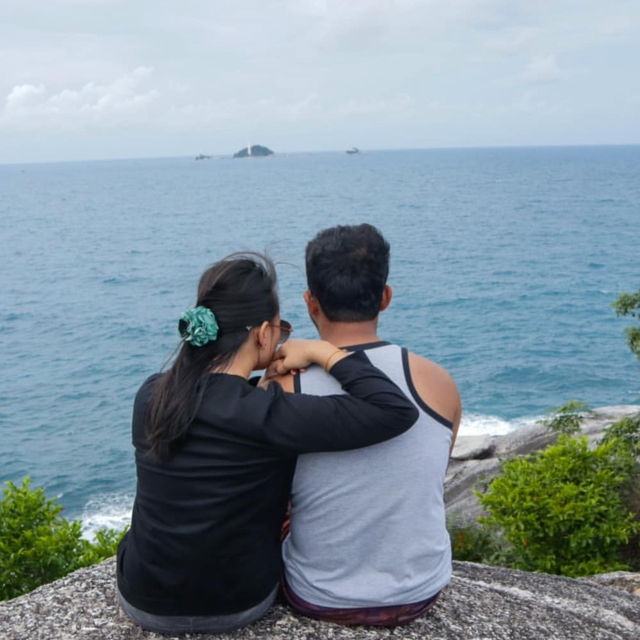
(628, 304)
(561, 508)
(567, 418)
(38, 545)
(627, 433)
(626, 437)
(473, 542)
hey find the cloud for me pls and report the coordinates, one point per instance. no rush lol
(24, 96)
(542, 69)
(95, 103)
(512, 40)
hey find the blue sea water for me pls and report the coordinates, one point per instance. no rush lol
(504, 265)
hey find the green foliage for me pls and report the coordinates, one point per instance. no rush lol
(628, 304)
(473, 542)
(561, 508)
(38, 545)
(567, 418)
(625, 434)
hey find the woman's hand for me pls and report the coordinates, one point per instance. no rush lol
(297, 354)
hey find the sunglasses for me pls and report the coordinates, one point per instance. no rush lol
(285, 330)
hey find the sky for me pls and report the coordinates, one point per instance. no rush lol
(100, 79)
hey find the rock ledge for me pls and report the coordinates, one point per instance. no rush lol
(481, 603)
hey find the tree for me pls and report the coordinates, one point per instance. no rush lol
(562, 508)
(38, 545)
(628, 304)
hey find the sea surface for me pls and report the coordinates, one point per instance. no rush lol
(504, 266)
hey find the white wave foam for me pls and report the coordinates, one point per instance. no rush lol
(475, 424)
(112, 510)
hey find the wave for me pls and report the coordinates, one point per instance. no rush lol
(475, 424)
(111, 510)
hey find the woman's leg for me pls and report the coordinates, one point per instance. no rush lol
(197, 624)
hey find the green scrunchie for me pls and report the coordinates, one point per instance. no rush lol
(201, 326)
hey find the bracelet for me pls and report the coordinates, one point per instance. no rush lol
(330, 358)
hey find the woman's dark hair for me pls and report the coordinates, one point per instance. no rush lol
(241, 292)
(347, 268)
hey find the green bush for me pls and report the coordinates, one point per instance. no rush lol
(566, 419)
(561, 508)
(473, 542)
(628, 304)
(38, 545)
(626, 436)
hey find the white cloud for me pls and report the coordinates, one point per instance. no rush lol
(542, 69)
(95, 103)
(23, 96)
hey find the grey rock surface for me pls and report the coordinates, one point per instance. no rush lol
(474, 447)
(475, 460)
(623, 580)
(481, 603)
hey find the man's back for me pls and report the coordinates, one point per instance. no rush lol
(368, 526)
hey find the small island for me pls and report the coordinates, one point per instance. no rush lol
(253, 151)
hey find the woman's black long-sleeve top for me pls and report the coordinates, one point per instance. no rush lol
(204, 537)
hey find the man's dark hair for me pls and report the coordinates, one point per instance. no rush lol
(347, 269)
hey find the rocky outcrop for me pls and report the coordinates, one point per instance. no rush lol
(253, 151)
(623, 580)
(475, 460)
(480, 603)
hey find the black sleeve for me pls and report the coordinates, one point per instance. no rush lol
(374, 410)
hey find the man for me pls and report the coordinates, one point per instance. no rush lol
(368, 543)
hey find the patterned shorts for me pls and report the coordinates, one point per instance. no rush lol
(390, 616)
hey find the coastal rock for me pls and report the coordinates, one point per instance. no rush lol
(475, 460)
(480, 603)
(624, 580)
(254, 150)
(474, 448)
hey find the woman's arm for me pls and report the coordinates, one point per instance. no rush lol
(374, 410)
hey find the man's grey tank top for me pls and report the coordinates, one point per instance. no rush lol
(368, 525)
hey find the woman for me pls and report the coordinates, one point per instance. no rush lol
(215, 455)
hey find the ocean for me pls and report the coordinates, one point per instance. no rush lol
(504, 266)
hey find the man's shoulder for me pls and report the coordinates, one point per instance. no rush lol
(422, 367)
(436, 387)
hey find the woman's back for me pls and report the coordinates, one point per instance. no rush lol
(204, 536)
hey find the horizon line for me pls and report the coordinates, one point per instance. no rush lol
(363, 150)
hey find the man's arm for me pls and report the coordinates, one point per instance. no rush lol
(437, 389)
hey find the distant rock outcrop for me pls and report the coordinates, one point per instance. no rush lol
(255, 150)
(203, 156)
(480, 603)
(475, 460)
